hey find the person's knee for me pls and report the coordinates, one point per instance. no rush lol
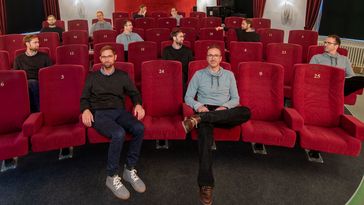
(118, 134)
(138, 129)
(245, 111)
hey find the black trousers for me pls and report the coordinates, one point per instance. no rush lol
(222, 119)
(353, 84)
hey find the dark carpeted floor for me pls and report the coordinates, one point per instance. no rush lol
(284, 176)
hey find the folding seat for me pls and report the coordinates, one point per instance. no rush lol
(50, 40)
(157, 35)
(190, 35)
(4, 62)
(305, 38)
(220, 134)
(158, 14)
(260, 87)
(269, 35)
(233, 22)
(287, 55)
(11, 43)
(139, 52)
(318, 96)
(198, 14)
(190, 22)
(145, 23)
(119, 14)
(166, 22)
(75, 37)
(15, 110)
(106, 19)
(314, 49)
(244, 52)
(77, 24)
(211, 34)
(201, 47)
(41, 49)
(58, 123)
(102, 36)
(164, 44)
(210, 22)
(92, 135)
(117, 46)
(76, 54)
(261, 23)
(59, 23)
(162, 78)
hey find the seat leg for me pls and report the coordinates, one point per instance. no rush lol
(213, 147)
(159, 145)
(258, 148)
(68, 155)
(9, 164)
(314, 156)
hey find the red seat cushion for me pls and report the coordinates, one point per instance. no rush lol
(166, 127)
(13, 144)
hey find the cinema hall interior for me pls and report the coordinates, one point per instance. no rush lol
(182, 102)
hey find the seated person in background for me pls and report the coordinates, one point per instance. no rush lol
(31, 61)
(177, 51)
(101, 24)
(332, 58)
(246, 33)
(51, 20)
(141, 13)
(174, 14)
(217, 105)
(128, 36)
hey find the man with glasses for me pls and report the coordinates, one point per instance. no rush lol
(128, 36)
(332, 58)
(217, 105)
(102, 106)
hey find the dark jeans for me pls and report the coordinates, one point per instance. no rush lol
(113, 123)
(353, 84)
(222, 119)
(33, 87)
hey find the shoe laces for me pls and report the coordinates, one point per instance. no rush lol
(133, 175)
(117, 182)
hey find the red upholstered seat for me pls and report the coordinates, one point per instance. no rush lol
(75, 37)
(162, 100)
(57, 124)
(287, 55)
(198, 14)
(201, 47)
(77, 24)
(11, 43)
(145, 23)
(305, 38)
(166, 22)
(318, 97)
(270, 35)
(210, 22)
(211, 34)
(102, 36)
(261, 23)
(260, 87)
(119, 14)
(51, 41)
(190, 35)
(14, 109)
(158, 14)
(157, 35)
(4, 62)
(117, 46)
(190, 22)
(76, 54)
(233, 22)
(244, 52)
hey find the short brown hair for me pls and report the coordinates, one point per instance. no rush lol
(108, 47)
(336, 37)
(29, 38)
(126, 21)
(175, 32)
(249, 21)
(142, 6)
(51, 16)
(214, 46)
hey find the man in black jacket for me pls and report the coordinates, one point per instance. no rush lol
(52, 27)
(102, 107)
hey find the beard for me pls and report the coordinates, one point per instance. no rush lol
(34, 49)
(108, 65)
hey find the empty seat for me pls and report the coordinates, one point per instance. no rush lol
(102, 36)
(76, 54)
(210, 22)
(230, 36)
(269, 35)
(119, 14)
(201, 47)
(198, 14)
(161, 78)
(233, 22)
(190, 22)
(261, 23)
(59, 23)
(11, 43)
(51, 41)
(260, 87)
(4, 62)
(287, 55)
(57, 125)
(145, 23)
(77, 24)
(75, 37)
(244, 52)
(211, 34)
(14, 109)
(119, 48)
(318, 96)
(166, 22)
(157, 35)
(305, 38)
(158, 14)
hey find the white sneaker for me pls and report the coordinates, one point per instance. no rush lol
(118, 188)
(132, 177)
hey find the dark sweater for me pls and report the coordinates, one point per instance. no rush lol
(108, 92)
(32, 64)
(54, 29)
(244, 36)
(184, 55)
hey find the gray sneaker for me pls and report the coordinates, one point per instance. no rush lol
(118, 188)
(132, 177)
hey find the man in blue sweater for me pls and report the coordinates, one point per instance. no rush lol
(217, 105)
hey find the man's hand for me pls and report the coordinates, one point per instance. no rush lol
(202, 108)
(87, 118)
(220, 108)
(219, 28)
(139, 112)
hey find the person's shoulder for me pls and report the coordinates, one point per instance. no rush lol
(227, 72)
(121, 73)
(20, 56)
(185, 48)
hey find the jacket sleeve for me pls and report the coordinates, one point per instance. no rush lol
(86, 94)
(348, 69)
(132, 92)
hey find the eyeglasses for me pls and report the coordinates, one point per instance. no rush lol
(213, 56)
(330, 43)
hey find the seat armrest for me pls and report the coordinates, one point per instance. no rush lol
(32, 124)
(187, 110)
(353, 126)
(293, 119)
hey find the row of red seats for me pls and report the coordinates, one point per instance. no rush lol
(316, 115)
